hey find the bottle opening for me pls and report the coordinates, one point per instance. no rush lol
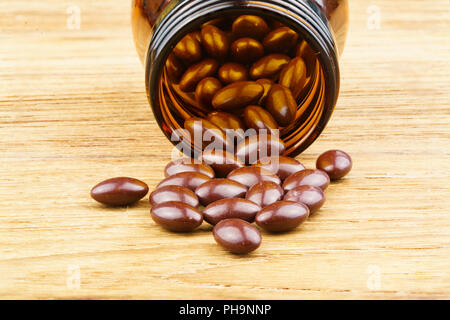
(232, 78)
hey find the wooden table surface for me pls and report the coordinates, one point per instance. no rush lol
(73, 111)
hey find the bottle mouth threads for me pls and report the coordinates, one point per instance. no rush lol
(173, 106)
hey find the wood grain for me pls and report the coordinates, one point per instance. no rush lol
(73, 112)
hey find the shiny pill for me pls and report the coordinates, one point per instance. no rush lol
(282, 216)
(218, 189)
(237, 95)
(265, 193)
(230, 208)
(337, 164)
(315, 178)
(237, 236)
(120, 191)
(312, 197)
(174, 193)
(176, 216)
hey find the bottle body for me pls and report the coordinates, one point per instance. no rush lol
(198, 54)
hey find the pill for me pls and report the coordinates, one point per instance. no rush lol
(215, 42)
(222, 162)
(121, 191)
(174, 193)
(249, 176)
(283, 167)
(280, 40)
(312, 197)
(269, 66)
(232, 72)
(176, 216)
(230, 208)
(218, 189)
(226, 121)
(202, 130)
(237, 236)
(190, 180)
(250, 26)
(293, 76)
(246, 50)
(259, 119)
(188, 49)
(187, 165)
(308, 177)
(265, 193)
(196, 73)
(174, 68)
(237, 95)
(205, 91)
(267, 85)
(337, 164)
(281, 105)
(282, 216)
(259, 146)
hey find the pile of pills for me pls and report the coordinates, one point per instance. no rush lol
(278, 194)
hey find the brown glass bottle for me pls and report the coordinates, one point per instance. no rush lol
(197, 47)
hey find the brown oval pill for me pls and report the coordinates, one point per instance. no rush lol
(232, 72)
(237, 95)
(174, 193)
(188, 49)
(174, 68)
(312, 197)
(249, 176)
(222, 162)
(247, 50)
(315, 178)
(206, 131)
(205, 91)
(188, 165)
(230, 209)
(215, 42)
(280, 40)
(120, 191)
(259, 146)
(281, 105)
(283, 167)
(218, 189)
(259, 119)
(265, 193)
(293, 76)
(176, 216)
(196, 73)
(337, 164)
(250, 26)
(267, 85)
(282, 216)
(190, 180)
(237, 236)
(226, 121)
(269, 66)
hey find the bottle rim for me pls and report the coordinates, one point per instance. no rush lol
(305, 17)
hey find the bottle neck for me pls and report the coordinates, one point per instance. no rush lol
(181, 17)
